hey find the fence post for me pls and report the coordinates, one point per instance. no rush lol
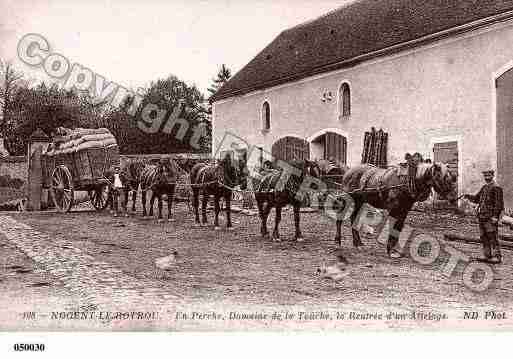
(36, 195)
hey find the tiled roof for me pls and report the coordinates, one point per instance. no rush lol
(349, 34)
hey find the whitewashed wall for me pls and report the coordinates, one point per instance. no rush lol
(443, 91)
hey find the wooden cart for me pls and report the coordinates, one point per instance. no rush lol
(65, 172)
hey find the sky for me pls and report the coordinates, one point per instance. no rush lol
(134, 42)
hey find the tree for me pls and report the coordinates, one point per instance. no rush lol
(222, 77)
(163, 96)
(9, 85)
(47, 107)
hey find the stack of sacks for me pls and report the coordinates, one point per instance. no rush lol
(81, 139)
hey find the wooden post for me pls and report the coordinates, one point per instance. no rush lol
(36, 195)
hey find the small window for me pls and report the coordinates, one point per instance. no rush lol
(266, 116)
(344, 100)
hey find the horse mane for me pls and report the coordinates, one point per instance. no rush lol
(424, 167)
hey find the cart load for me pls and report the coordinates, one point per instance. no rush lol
(79, 159)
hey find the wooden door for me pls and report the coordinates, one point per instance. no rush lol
(504, 86)
(291, 148)
(335, 146)
(447, 152)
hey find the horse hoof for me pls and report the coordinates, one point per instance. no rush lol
(217, 228)
(300, 239)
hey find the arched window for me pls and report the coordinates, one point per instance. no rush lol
(344, 100)
(266, 116)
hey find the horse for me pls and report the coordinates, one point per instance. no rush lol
(161, 179)
(269, 193)
(395, 192)
(132, 170)
(215, 180)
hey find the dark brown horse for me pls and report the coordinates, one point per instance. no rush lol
(391, 189)
(215, 180)
(271, 192)
(132, 170)
(161, 179)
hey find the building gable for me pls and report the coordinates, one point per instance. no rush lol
(343, 37)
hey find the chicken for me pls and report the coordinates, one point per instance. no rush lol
(336, 271)
(168, 262)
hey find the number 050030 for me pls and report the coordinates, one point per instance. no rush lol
(29, 347)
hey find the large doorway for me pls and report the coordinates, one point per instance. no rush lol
(291, 148)
(330, 146)
(447, 152)
(504, 86)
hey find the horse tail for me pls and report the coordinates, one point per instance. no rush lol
(148, 177)
(195, 171)
(170, 176)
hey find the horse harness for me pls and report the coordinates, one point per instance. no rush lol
(407, 181)
(202, 172)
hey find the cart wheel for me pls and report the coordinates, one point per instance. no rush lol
(61, 189)
(100, 197)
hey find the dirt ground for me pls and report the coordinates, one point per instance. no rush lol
(27, 287)
(241, 268)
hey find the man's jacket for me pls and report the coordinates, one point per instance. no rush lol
(490, 201)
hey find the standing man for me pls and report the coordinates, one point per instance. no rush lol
(490, 206)
(118, 181)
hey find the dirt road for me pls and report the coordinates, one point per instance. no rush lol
(238, 270)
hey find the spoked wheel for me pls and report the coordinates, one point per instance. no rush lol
(100, 197)
(61, 189)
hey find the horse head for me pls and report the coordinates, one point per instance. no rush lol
(166, 170)
(232, 172)
(312, 169)
(307, 168)
(443, 181)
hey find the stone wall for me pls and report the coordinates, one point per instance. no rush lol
(148, 157)
(14, 166)
(13, 176)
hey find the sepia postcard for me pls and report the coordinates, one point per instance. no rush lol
(275, 166)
